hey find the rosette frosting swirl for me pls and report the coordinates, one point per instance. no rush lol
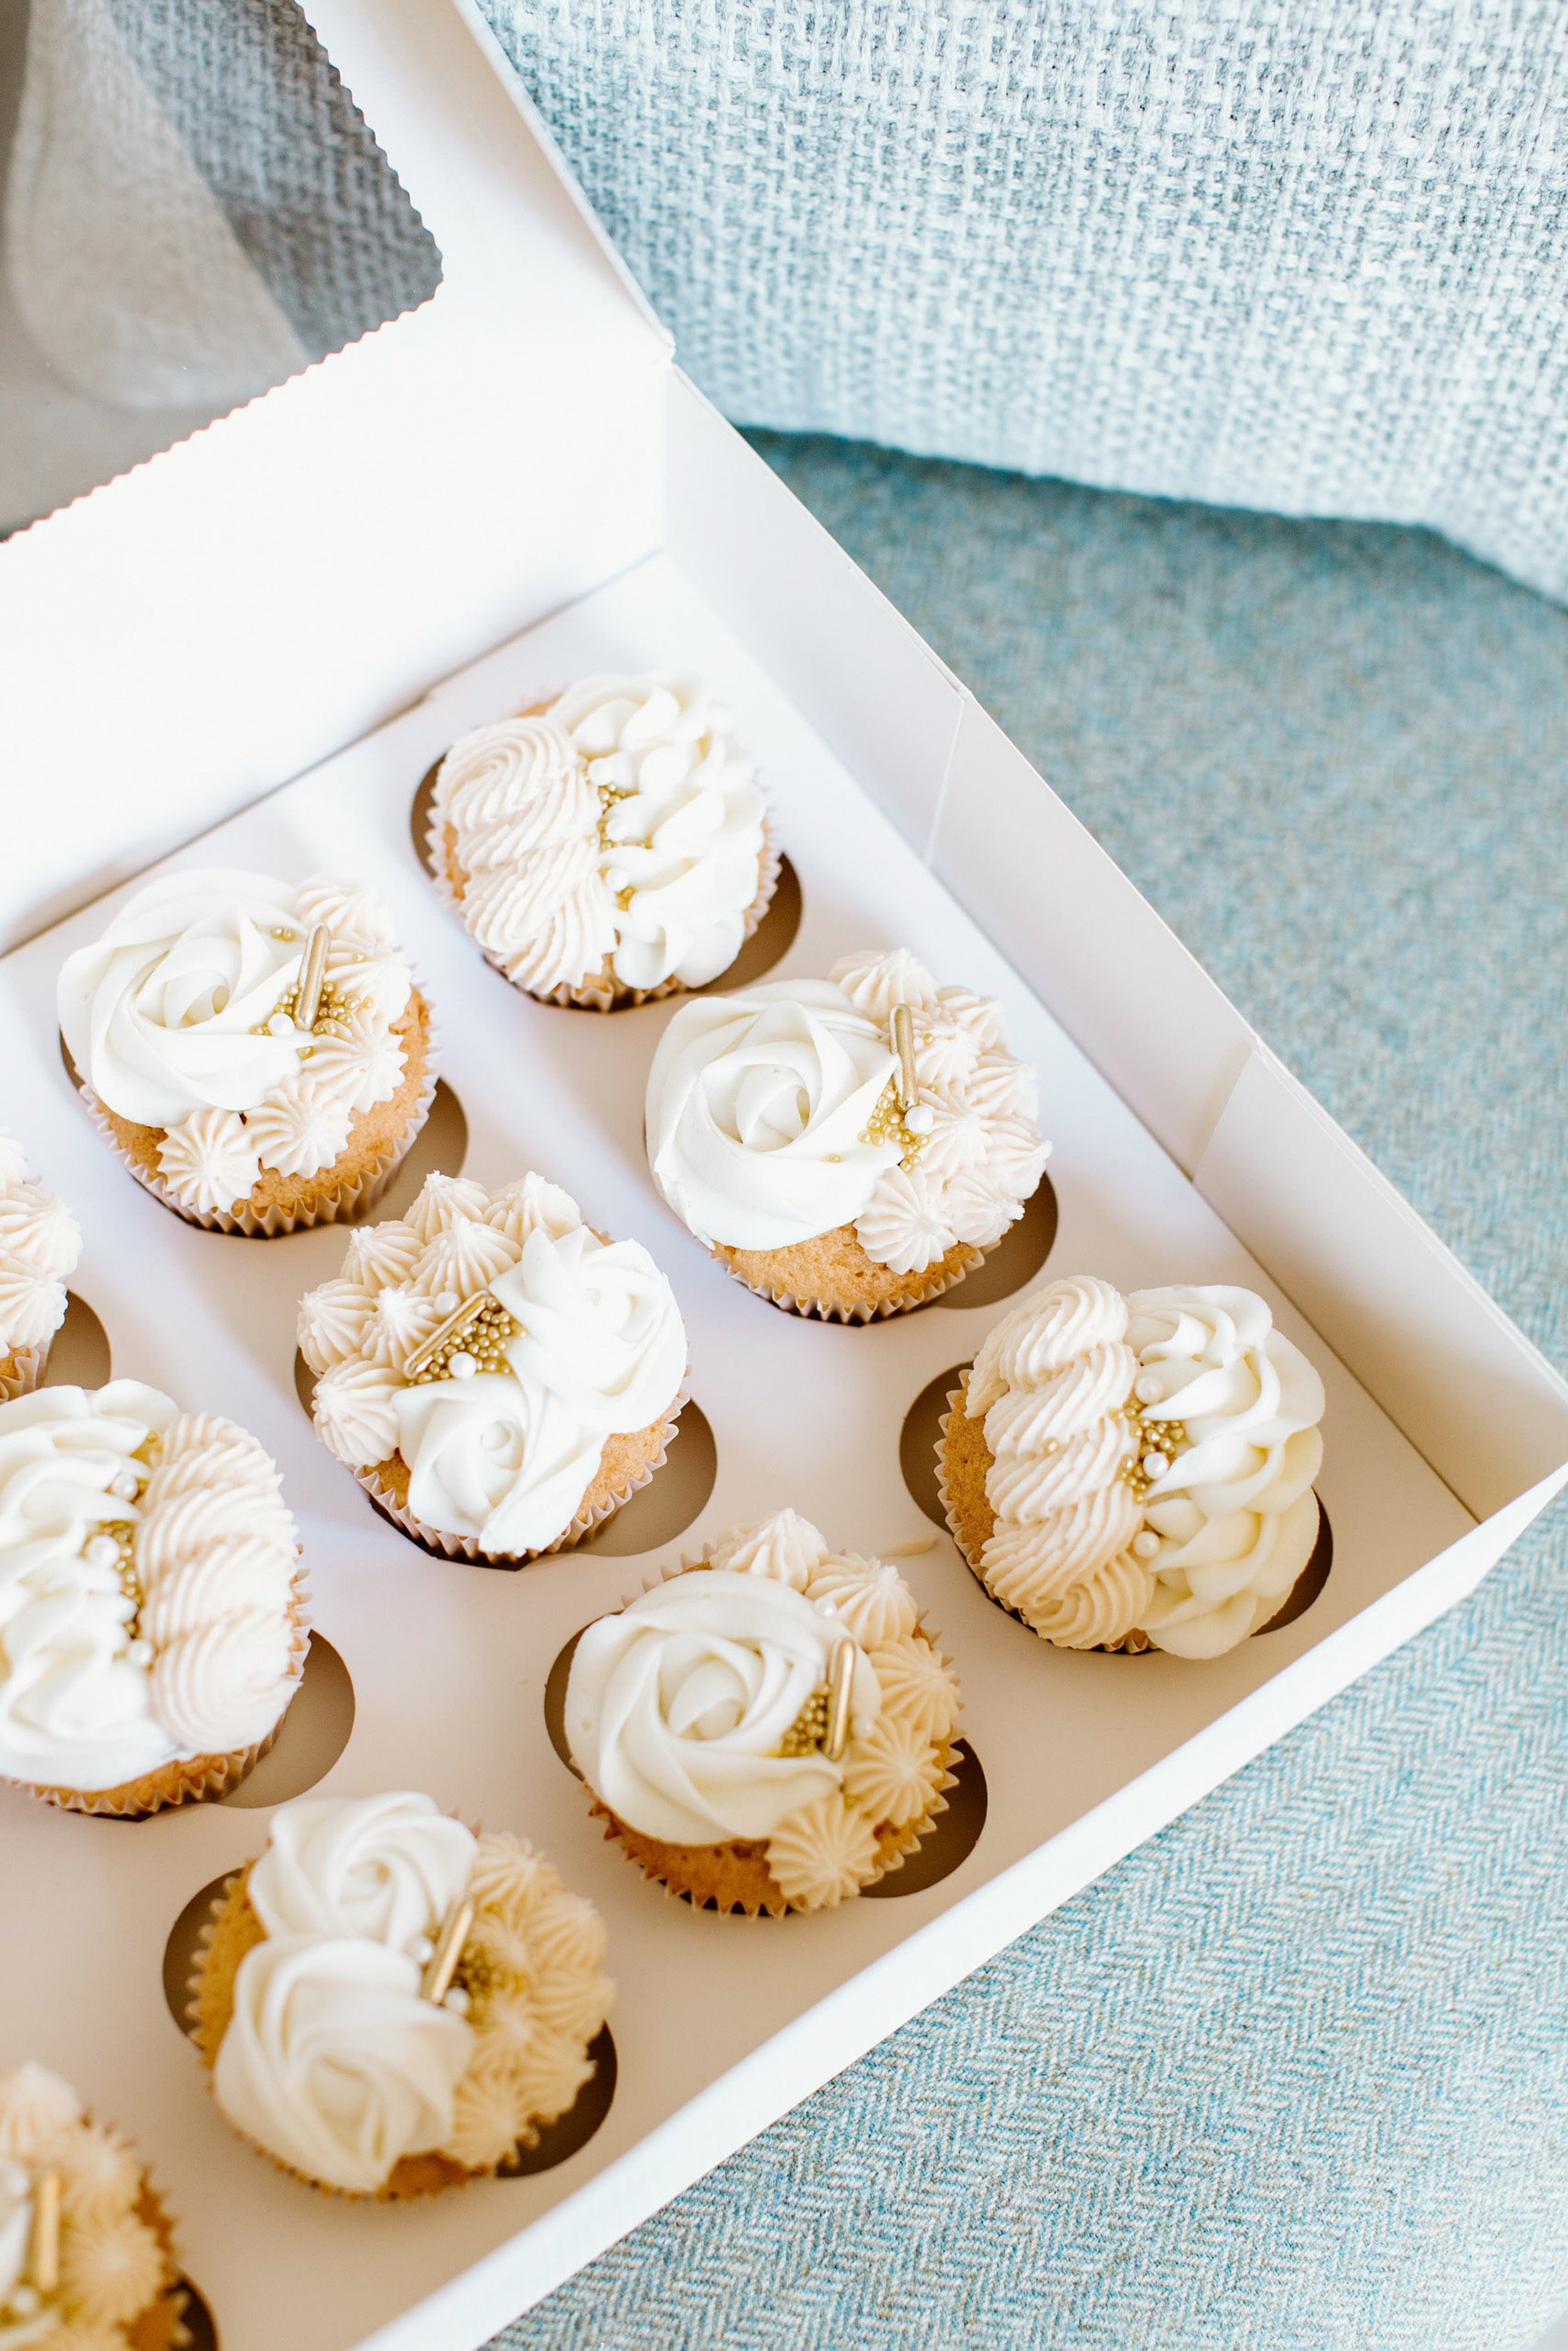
(338, 2058)
(697, 1714)
(1192, 1534)
(772, 1116)
(39, 1245)
(621, 828)
(175, 1019)
(149, 1608)
(501, 1447)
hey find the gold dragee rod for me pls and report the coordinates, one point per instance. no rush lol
(312, 976)
(840, 1679)
(453, 1327)
(442, 1965)
(44, 2254)
(903, 1046)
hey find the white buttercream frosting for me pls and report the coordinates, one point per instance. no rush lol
(111, 2265)
(147, 1587)
(770, 1116)
(1235, 1513)
(333, 2059)
(174, 1018)
(621, 826)
(502, 1456)
(39, 1245)
(684, 1710)
(1101, 1529)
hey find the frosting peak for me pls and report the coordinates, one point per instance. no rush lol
(39, 1245)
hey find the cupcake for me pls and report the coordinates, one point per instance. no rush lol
(389, 2005)
(1125, 1473)
(608, 846)
(498, 1377)
(255, 1050)
(847, 1147)
(39, 1245)
(152, 1617)
(769, 1729)
(86, 2248)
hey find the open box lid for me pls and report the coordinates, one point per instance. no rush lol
(247, 601)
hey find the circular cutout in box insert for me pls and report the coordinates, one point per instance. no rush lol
(181, 1949)
(1307, 1587)
(78, 1352)
(1017, 1257)
(201, 2328)
(442, 1144)
(674, 1497)
(952, 1839)
(310, 1738)
(918, 1439)
(555, 1700)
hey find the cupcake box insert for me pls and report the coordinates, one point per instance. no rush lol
(583, 517)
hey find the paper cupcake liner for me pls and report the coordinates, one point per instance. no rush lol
(351, 1198)
(600, 992)
(428, 2173)
(1134, 1643)
(931, 1285)
(464, 1547)
(21, 1371)
(197, 1779)
(894, 1849)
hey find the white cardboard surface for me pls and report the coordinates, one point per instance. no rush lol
(1083, 1755)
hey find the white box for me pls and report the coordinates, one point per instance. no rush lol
(519, 467)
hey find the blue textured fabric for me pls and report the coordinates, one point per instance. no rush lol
(1293, 2076)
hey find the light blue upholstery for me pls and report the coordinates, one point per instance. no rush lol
(1294, 2076)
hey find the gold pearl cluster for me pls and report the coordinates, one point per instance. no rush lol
(809, 1731)
(607, 795)
(477, 1343)
(333, 1013)
(886, 1126)
(1158, 1443)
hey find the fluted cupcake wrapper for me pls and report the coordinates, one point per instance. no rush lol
(600, 991)
(659, 1862)
(197, 1779)
(21, 1371)
(931, 1284)
(349, 1200)
(582, 1524)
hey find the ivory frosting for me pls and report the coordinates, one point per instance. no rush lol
(352, 1894)
(174, 1020)
(112, 2266)
(682, 1710)
(1102, 1529)
(505, 1455)
(770, 1120)
(620, 827)
(148, 1604)
(39, 1245)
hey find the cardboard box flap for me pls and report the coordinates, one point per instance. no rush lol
(250, 601)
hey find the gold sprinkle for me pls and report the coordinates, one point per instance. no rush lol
(903, 1046)
(442, 1965)
(840, 1679)
(313, 976)
(44, 2254)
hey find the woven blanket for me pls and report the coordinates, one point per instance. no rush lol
(1309, 256)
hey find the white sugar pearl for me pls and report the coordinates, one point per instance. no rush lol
(280, 1025)
(1147, 1543)
(102, 1551)
(141, 1653)
(616, 877)
(422, 1949)
(462, 1366)
(1156, 1465)
(1147, 1389)
(824, 1608)
(861, 1725)
(124, 1484)
(456, 2000)
(920, 1120)
(25, 2300)
(446, 1302)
